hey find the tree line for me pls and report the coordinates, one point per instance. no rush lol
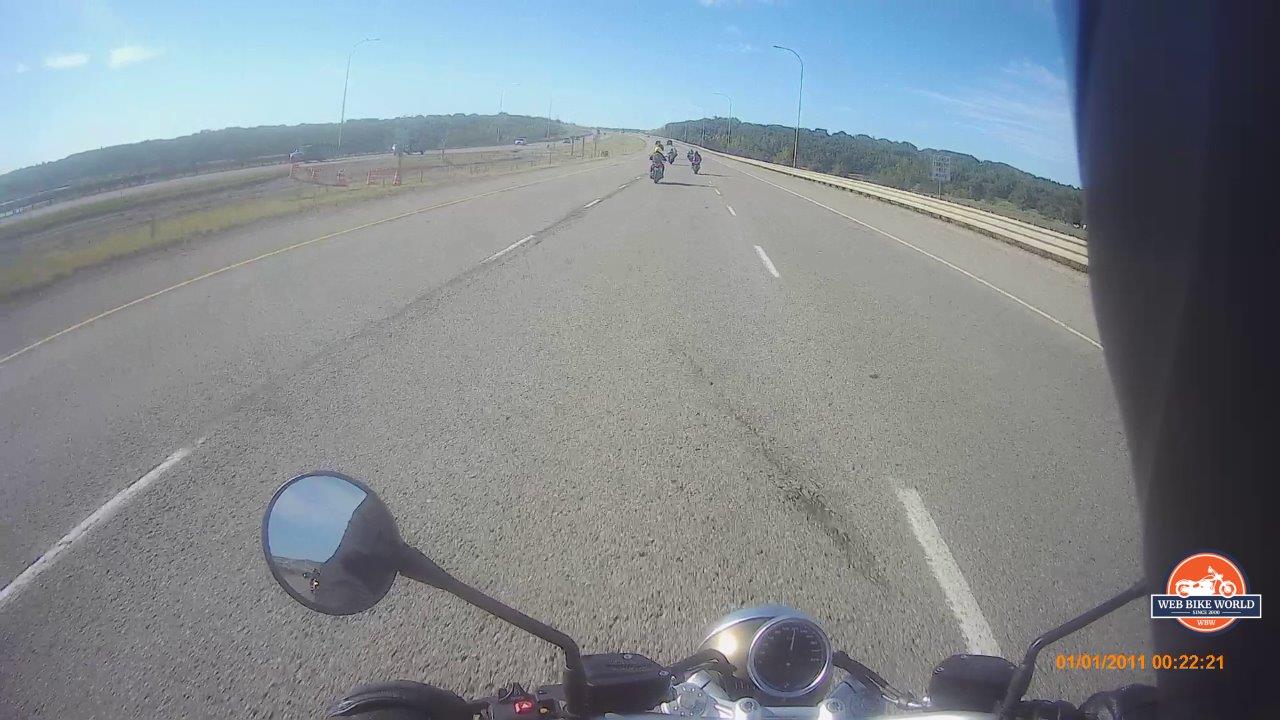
(210, 149)
(896, 164)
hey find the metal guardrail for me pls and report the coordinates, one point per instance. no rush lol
(1060, 247)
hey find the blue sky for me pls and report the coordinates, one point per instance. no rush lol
(986, 78)
(310, 518)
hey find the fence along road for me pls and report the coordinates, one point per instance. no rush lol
(1056, 246)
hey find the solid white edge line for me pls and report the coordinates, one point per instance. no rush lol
(928, 254)
(507, 249)
(768, 264)
(99, 516)
(731, 212)
(973, 624)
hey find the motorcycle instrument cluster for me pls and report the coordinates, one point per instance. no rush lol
(789, 657)
(777, 651)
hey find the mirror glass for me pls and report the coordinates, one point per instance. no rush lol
(331, 543)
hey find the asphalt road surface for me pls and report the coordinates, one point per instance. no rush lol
(669, 401)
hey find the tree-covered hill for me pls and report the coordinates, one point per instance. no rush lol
(897, 164)
(230, 147)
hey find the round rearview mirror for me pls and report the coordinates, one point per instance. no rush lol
(331, 543)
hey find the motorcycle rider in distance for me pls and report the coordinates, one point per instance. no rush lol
(657, 159)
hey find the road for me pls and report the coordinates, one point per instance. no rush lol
(625, 408)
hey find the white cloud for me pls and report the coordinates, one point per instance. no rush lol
(1038, 74)
(130, 54)
(65, 61)
(1024, 106)
(20, 68)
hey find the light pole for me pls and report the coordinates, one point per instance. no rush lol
(550, 102)
(343, 120)
(502, 98)
(795, 149)
(702, 133)
(729, 124)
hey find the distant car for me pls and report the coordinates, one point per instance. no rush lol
(309, 153)
(566, 141)
(521, 141)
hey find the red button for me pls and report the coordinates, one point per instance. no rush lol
(523, 705)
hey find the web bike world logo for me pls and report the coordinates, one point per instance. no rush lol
(1207, 594)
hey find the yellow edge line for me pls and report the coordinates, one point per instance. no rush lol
(285, 249)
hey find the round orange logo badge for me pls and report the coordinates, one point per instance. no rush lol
(1206, 575)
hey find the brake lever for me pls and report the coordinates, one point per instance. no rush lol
(708, 659)
(898, 697)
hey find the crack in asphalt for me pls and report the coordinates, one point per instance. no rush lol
(272, 385)
(796, 485)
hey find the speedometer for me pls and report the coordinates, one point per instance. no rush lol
(789, 657)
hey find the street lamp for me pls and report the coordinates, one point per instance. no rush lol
(702, 133)
(502, 98)
(795, 149)
(729, 131)
(343, 120)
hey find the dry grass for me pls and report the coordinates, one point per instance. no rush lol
(45, 221)
(36, 269)
(498, 161)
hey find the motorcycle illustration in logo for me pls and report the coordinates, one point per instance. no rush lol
(1206, 593)
(1211, 584)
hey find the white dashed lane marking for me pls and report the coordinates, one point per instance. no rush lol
(99, 516)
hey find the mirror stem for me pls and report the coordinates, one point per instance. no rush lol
(1022, 679)
(416, 566)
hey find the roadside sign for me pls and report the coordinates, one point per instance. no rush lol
(941, 169)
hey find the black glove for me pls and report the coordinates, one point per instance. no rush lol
(1131, 702)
